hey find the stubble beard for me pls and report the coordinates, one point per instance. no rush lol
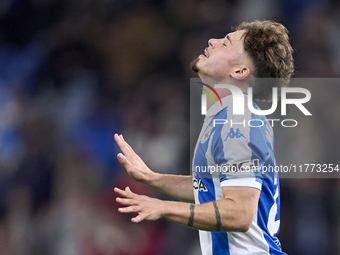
(193, 65)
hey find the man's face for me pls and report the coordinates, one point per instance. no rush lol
(222, 56)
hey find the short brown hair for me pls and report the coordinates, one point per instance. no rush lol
(267, 44)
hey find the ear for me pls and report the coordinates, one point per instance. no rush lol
(240, 72)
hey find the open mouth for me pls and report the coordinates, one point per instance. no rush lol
(206, 53)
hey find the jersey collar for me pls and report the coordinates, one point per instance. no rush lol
(216, 108)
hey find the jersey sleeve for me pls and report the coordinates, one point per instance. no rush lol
(240, 152)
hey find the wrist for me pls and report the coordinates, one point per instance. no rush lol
(151, 179)
(164, 207)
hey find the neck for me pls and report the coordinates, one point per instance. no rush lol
(223, 92)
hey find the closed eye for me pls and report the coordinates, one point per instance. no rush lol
(224, 44)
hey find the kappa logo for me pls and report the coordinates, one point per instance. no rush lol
(232, 134)
(199, 185)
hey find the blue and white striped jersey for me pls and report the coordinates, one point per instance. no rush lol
(245, 145)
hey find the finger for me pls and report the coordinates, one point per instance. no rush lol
(128, 145)
(122, 145)
(123, 161)
(138, 218)
(122, 193)
(127, 193)
(129, 209)
(119, 191)
(125, 201)
(127, 189)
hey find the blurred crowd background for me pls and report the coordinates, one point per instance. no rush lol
(74, 72)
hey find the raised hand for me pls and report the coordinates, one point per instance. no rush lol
(133, 164)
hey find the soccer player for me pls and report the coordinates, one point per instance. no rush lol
(235, 211)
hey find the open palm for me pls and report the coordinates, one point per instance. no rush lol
(133, 164)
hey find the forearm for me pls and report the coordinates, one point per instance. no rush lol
(177, 186)
(233, 213)
(225, 215)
